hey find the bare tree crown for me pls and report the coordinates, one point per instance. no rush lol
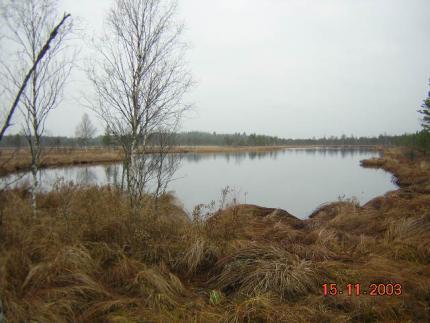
(141, 78)
(85, 130)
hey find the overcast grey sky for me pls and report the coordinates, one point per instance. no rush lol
(291, 68)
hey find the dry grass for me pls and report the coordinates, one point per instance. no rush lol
(85, 258)
(12, 160)
(259, 269)
(408, 168)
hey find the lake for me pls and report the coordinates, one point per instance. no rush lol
(297, 180)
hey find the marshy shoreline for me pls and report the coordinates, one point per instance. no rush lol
(14, 160)
(85, 257)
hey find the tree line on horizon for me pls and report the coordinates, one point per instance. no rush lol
(200, 138)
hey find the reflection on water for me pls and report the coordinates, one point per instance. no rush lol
(237, 157)
(297, 180)
(113, 174)
(86, 176)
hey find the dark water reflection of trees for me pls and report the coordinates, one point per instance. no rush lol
(86, 176)
(238, 157)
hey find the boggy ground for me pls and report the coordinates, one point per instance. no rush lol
(87, 258)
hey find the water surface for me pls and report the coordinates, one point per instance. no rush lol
(297, 180)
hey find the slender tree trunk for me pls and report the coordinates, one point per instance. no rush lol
(133, 173)
(123, 175)
(34, 189)
(35, 143)
(159, 177)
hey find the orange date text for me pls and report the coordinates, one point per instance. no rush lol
(356, 289)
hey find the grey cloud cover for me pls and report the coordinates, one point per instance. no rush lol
(292, 68)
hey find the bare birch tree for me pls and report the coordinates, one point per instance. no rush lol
(31, 22)
(85, 130)
(140, 80)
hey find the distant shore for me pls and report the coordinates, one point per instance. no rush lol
(14, 160)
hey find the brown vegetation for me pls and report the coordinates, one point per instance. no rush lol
(87, 258)
(410, 167)
(13, 160)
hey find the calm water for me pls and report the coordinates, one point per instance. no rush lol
(297, 180)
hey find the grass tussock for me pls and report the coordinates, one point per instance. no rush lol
(258, 270)
(86, 257)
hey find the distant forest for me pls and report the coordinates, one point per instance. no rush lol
(197, 138)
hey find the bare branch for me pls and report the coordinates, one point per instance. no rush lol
(40, 56)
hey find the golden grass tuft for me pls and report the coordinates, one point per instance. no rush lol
(199, 255)
(258, 308)
(258, 270)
